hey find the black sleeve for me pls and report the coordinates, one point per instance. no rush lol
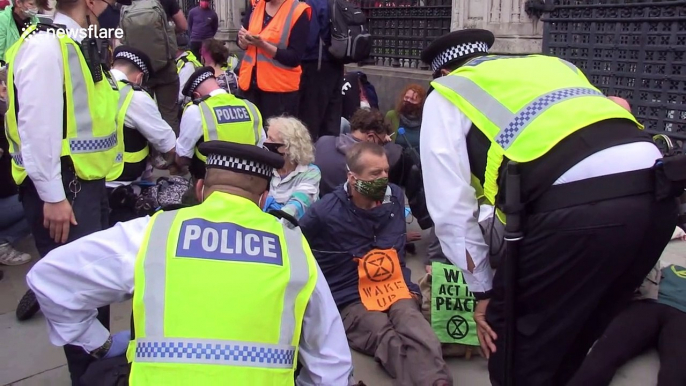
(171, 8)
(297, 43)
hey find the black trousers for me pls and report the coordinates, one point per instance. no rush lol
(642, 325)
(91, 209)
(321, 101)
(194, 47)
(577, 268)
(273, 104)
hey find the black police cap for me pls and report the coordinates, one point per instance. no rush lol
(457, 46)
(241, 158)
(200, 75)
(136, 57)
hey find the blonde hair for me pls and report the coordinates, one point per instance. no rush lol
(296, 139)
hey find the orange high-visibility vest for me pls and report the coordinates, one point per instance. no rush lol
(272, 76)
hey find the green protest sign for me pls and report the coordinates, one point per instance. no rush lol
(452, 306)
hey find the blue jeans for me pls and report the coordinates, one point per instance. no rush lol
(13, 225)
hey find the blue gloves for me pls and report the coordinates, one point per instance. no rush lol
(120, 342)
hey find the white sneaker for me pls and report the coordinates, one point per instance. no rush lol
(10, 256)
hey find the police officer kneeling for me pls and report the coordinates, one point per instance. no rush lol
(214, 114)
(221, 283)
(594, 222)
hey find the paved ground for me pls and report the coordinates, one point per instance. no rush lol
(28, 359)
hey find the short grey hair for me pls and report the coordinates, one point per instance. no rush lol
(296, 138)
(355, 152)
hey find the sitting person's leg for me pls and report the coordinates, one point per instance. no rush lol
(672, 348)
(371, 333)
(13, 226)
(631, 332)
(421, 350)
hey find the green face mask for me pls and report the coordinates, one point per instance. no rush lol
(374, 189)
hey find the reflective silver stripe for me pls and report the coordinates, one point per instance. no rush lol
(155, 268)
(490, 107)
(123, 93)
(247, 59)
(212, 134)
(510, 124)
(528, 113)
(299, 275)
(79, 93)
(256, 120)
(263, 58)
(214, 352)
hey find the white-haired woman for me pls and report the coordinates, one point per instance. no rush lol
(295, 187)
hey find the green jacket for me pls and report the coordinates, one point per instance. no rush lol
(8, 30)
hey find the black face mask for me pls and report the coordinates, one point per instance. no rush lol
(273, 147)
(109, 19)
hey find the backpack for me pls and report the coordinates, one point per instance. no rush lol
(350, 38)
(146, 28)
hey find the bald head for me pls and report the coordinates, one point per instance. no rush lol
(620, 101)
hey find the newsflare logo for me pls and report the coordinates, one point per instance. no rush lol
(79, 34)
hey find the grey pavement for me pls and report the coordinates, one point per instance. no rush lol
(28, 359)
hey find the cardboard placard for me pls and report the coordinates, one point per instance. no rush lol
(452, 306)
(381, 281)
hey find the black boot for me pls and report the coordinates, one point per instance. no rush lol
(28, 306)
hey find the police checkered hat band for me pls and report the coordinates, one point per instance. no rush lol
(456, 52)
(135, 59)
(203, 77)
(239, 165)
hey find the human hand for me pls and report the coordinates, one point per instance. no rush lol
(413, 236)
(486, 335)
(428, 269)
(57, 217)
(120, 343)
(242, 32)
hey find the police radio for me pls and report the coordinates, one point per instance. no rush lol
(91, 53)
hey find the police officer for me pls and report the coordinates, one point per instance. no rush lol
(214, 114)
(271, 293)
(61, 128)
(186, 64)
(139, 121)
(594, 224)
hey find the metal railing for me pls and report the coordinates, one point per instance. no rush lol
(401, 29)
(635, 49)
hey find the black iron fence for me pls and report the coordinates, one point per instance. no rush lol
(403, 28)
(635, 49)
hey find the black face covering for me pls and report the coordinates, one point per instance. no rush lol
(273, 147)
(109, 19)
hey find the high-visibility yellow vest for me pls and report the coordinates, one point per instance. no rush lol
(228, 118)
(128, 154)
(90, 138)
(524, 115)
(220, 295)
(189, 57)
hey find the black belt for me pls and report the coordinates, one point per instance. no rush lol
(595, 189)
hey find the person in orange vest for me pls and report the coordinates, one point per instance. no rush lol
(274, 38)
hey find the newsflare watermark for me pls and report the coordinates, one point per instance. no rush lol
(92, 31)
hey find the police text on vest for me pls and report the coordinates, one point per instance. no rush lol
(231, 114)
(227, 241)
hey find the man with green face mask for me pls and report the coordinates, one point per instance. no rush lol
(14, 19)
(357, 234)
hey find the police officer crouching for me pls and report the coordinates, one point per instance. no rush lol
(214, 114)
(236, 288)
(594, 216)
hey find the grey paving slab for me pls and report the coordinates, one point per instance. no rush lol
(28, 359)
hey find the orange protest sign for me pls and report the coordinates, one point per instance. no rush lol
(381, 281)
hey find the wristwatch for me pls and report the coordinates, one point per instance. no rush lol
(101, 351)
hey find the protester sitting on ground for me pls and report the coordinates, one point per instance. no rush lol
(216, 55)
(655, 319)
(357, 235)
(408, 115)
(295, 187)
(16, 18)
(366, 126)
(13, 225)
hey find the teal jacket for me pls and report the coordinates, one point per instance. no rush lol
(8, 30)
